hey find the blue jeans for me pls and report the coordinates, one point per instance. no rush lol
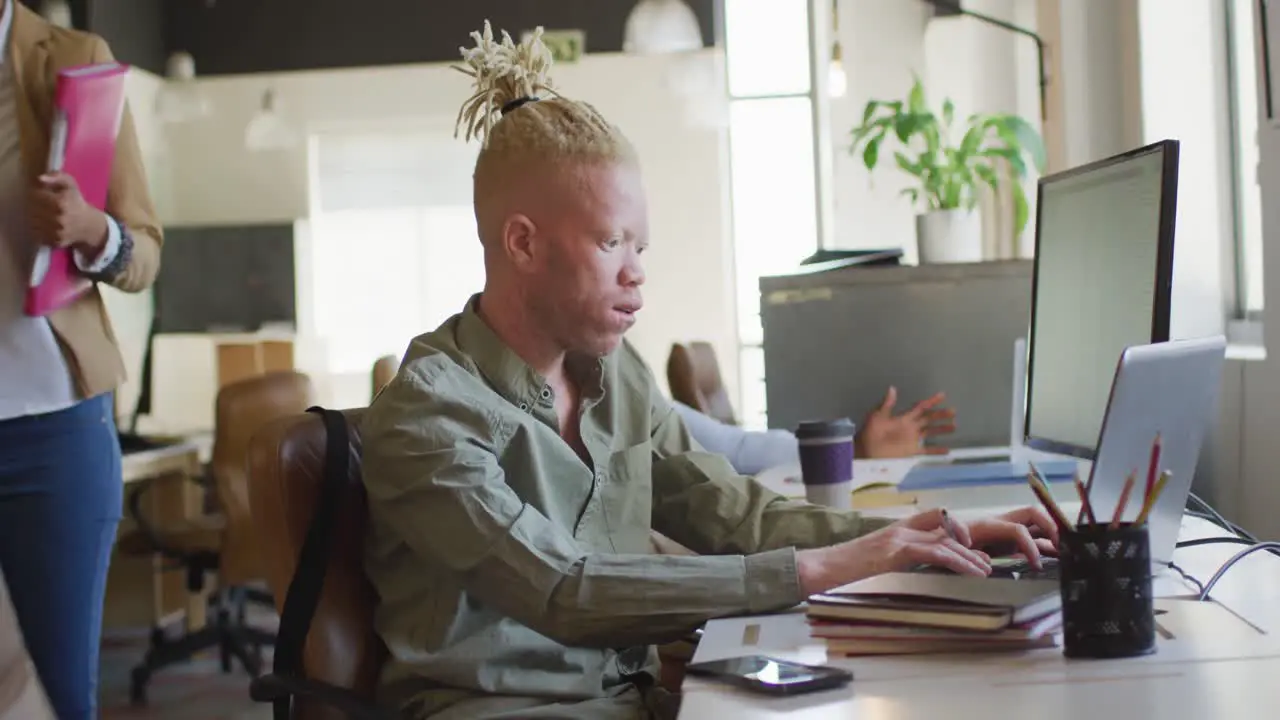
(61, 497)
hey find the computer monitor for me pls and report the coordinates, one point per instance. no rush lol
(1101, 282)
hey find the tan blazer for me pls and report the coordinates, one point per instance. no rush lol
(37, 50)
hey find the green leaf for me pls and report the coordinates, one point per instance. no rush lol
(1016, 164)
(871, 153)
(948, 111)
(1028, 140)
(905, 163)
(912, 193)
(870, 110)
(1021, 211)
(988, 175)
(915, 100)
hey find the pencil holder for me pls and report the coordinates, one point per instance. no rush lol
(1105, 576)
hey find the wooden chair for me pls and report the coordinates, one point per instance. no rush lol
(693, 373)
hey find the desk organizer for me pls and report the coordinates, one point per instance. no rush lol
(1105, 576)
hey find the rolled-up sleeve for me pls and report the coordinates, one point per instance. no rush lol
(434, 481)
(703, 504)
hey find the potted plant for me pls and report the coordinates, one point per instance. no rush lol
(948, 175)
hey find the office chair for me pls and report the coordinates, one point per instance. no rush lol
(225, 542)
(330, 659)
(693, 373)
(384, 369)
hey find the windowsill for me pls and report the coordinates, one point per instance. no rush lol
(1245, 340)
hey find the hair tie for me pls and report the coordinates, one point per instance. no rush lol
(515, 104)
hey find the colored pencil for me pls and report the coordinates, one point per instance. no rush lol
(1086, 510)
(1041, 489)
(1124, 500)
(1156, 447)
(1153, 496)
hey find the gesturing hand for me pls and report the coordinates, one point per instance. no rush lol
(918, 540)
(885, 435)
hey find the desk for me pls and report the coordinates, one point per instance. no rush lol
(1038, 684)
(143, 591)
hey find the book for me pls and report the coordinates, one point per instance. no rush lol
(853, 639)
(88, 107)
(941, 601)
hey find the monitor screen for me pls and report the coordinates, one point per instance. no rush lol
(1103, 270)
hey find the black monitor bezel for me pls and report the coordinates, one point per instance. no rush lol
(1163, 273)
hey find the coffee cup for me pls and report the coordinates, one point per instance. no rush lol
(826, 461)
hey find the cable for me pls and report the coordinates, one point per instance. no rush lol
(1216, 517)
(1208, 587)
(1232, 540)
(1186, 576)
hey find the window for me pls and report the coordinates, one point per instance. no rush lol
(1243, 63)
(772, 161)
(382, 276)
(393, 248)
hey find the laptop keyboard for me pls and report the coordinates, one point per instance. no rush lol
(1016, 569)
(1022, 570)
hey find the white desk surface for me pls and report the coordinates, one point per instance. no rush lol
(1225, 666)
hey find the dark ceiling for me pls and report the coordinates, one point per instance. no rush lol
(246, 36)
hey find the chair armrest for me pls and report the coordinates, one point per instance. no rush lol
(272, 687)
(148, 531)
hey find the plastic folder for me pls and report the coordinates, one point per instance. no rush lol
(88, 107)
(945, 474)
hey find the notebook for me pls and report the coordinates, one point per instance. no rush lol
(88, 107)
(959, 602)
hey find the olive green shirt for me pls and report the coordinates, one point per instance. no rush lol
(506, 564)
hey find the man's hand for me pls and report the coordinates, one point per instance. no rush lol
(1028, 531)
(884, 435)
(918, 540)
(60, 217)
(922, 539)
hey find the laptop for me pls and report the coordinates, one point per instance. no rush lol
(1170, 388)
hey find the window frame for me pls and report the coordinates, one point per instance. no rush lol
(815, 93)
(1244, 324)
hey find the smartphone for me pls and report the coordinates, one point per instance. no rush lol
(772, 676)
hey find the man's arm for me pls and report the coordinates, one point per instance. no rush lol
(703, 504)
(130, 260)
(433, 479)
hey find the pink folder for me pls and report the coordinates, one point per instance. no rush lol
(88, 106)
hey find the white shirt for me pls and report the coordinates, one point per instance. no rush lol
(34, 377)
(749, 452)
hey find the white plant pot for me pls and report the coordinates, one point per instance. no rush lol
(949, 236)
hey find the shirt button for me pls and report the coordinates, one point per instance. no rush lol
(524, 407)
(546, 393)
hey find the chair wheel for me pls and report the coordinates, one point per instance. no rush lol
(138, 686)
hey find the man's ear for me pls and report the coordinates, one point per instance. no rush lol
(519, 241)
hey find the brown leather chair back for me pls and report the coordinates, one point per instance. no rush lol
(242, 408)
(694, 376)
(384, 369)
(286, 464)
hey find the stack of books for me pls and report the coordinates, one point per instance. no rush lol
(916, 613)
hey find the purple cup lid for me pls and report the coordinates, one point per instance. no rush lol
(834, 429)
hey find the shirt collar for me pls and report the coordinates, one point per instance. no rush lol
(7, 12)
(510, 375)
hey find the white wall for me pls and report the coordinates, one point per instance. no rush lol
(981, 68)
(689, 292)
(131, 314)
(883, 43)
